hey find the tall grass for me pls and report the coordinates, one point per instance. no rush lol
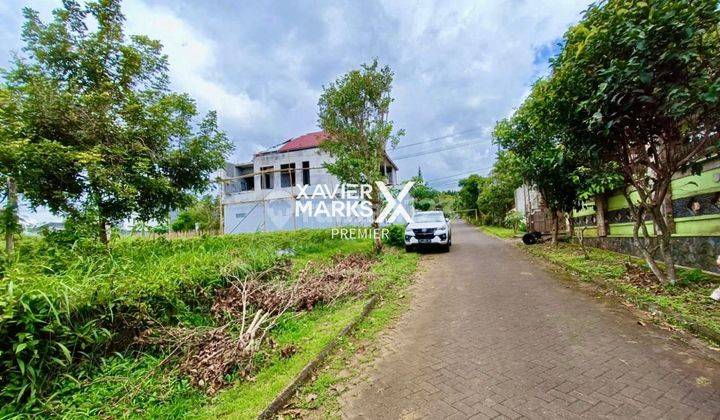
(63, 308)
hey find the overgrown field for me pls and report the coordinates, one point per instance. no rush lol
(686, 304)
(154, 328)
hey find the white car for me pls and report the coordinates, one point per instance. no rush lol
(428, 229)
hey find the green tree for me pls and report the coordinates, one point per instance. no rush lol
(10, 144)
(642, 80)
(541, 158)
(467, 196)
(204, 212)
(104, 135)
(424, 196)
(446, 201)
(354, 112)
(498, 196)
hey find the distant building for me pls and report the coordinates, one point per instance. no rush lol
(529, 203)
(260, 195)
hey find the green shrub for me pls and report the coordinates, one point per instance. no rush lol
(396, 235)
(65, 305)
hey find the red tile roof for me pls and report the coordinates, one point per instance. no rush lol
(306, 141)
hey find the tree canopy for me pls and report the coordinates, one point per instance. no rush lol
(354, 110)
(99, 133)
(634, 95)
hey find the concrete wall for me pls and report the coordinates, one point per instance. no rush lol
(696, 215)
(274, 209)
(689, 251)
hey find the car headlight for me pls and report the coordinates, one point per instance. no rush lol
(408, 231)
(441, 229)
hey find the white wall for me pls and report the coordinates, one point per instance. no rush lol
(273, 209)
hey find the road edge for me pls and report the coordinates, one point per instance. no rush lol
(697, 336)
(289, 391)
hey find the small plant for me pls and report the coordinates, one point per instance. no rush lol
(396, 235)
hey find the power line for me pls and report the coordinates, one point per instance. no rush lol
(447, 182)
(455, 146)
(459, 174)
(439, 138)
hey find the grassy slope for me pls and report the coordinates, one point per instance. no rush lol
(138, 385)
(311, 333)
(136, 267)
(164, 276)
(686, 304)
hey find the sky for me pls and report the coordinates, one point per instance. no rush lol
(460, 66)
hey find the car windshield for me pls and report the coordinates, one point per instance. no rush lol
(428, 217)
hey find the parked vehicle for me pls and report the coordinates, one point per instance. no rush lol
(428, 229)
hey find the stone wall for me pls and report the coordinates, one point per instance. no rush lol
(690, 251)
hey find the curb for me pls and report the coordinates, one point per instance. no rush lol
(691, 326)
(289, 391)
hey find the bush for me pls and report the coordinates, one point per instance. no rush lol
(512, 220)
(396, 235)
(65, 304)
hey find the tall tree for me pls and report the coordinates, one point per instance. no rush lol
(467, 196)
(106, 139)
(542, 159)
(644, 80)
(498, 196)
(10, 144)
(354, 112)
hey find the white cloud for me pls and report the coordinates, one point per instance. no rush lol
(193, 62)
(458, 64)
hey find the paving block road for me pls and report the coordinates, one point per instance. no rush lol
(491, 334)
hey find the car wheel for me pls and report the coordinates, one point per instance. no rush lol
(446, 248)
(408, 248)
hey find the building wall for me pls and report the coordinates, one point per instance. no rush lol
(274, 209)
(696, 237)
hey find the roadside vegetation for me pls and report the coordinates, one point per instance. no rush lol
(394, 272)
(632, 99)
(319, 397)
(144, 328)
(499, 231)
(685, 304)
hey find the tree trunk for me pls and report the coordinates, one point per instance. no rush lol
(600, 214)
(11, 218)
(375, 202)
(664, 235)
(556, 225)
(644, 244)
(102, 231)
(581, 241)
(570, 225)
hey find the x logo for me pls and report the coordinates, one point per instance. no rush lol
(393, 202)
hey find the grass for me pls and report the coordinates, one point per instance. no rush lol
(686, 304)
(498, 231)
(67, 309)
(137, 267)
(311, 333)
(320, 396)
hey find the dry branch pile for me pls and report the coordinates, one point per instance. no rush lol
(208, 355)
(248, 309)
(346, 276)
